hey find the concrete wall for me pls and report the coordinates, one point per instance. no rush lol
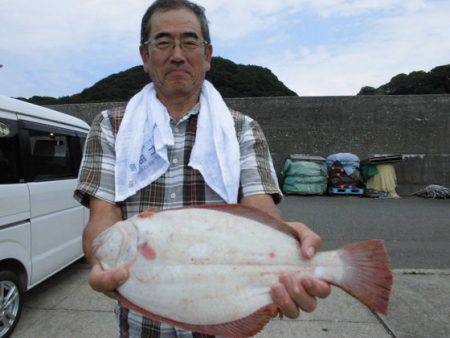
(415, 125)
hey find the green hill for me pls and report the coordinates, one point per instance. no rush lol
(230, 79)
(436, 81)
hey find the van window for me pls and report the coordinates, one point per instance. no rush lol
(77, 150)
(9, 152)
(50, 155)
(82, 142)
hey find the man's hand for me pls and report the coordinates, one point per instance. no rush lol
(292, 295)
(102, 216)
(107, 281)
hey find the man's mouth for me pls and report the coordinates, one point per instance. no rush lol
(178, 72)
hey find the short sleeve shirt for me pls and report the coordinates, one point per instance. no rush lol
(181, 185)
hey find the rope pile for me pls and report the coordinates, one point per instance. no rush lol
(434, 191)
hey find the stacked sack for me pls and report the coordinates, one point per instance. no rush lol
(343, 171)
(304, 177)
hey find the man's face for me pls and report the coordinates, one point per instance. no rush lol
(176, 71)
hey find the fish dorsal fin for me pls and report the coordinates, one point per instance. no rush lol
(249, 212)
(244, 327)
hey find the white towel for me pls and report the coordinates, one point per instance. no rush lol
(145, 134)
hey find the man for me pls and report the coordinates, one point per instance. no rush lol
(176, 51)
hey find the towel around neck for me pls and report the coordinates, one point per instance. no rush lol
(145, 133)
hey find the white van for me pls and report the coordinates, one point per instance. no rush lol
(41, 224)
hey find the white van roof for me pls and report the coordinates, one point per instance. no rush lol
(25, 108)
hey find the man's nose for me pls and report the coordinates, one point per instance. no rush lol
(177, 55)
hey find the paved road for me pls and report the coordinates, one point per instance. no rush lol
(416, 230)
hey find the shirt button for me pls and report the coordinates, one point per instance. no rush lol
(173, 195)
(177, 129)
(175, 161)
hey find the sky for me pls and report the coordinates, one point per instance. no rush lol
(315, 47)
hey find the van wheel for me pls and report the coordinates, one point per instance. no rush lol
(11, 302)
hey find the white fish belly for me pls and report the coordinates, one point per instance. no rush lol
(210, 267)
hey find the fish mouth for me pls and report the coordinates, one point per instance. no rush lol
(100, 240)
(116, 245)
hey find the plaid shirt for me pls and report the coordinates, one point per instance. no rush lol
(181, 185)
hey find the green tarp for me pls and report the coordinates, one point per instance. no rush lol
(304, 177)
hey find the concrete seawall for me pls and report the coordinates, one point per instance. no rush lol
(416, 125)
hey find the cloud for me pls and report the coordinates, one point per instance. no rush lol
(44, 24)
(417, 40)
(55, 48)
(328, 8)
(242, 18)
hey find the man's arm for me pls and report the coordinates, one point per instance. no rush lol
(102, 216)
(291, 295)
(263, 202)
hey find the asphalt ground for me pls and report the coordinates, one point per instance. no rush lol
(416, 230)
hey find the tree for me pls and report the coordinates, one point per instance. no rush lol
(437, 81)
(230, 79)
(367, 91)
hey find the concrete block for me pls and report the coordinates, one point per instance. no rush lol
(65, 323)
(420, 306)
(363, 125)
(340, 307)
(85, 298)
(53, 291)
(322, 329)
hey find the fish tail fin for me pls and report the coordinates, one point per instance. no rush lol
(368, 275)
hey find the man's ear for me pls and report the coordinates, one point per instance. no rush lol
(145, 57)
(208, 57)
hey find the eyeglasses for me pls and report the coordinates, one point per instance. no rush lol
(165, 44)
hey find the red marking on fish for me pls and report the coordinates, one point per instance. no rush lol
(272, 255)
(147, 251)
(145, 214)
